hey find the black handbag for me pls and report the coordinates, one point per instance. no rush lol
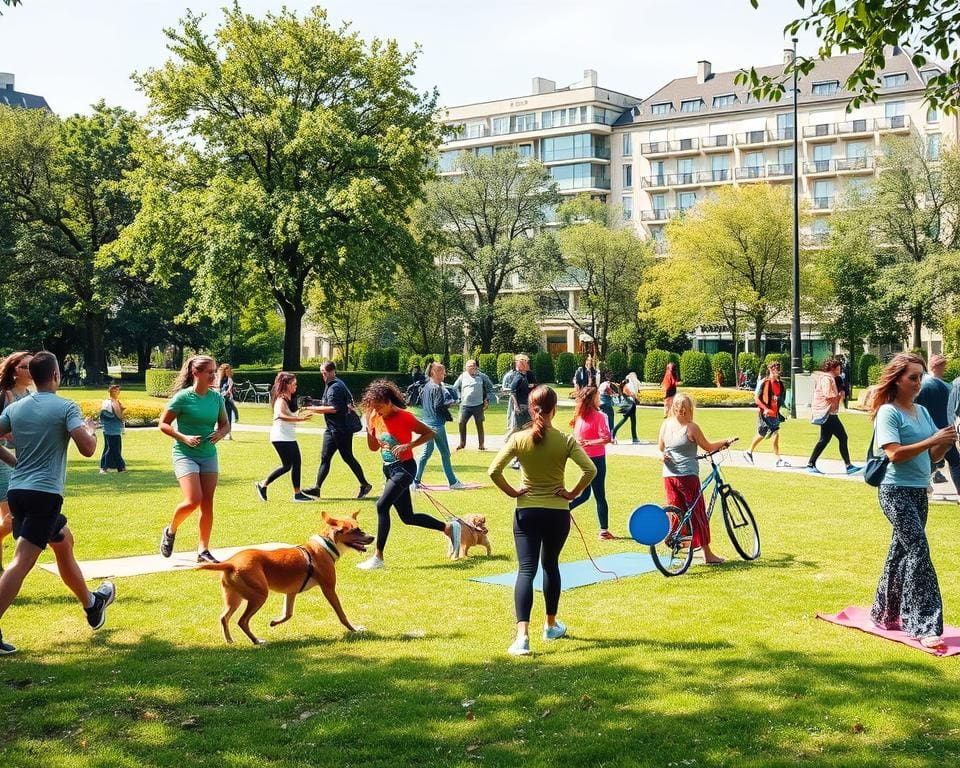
(876, 466)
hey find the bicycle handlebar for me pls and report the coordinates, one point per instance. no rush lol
(714, 453)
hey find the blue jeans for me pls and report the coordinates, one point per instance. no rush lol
(599, 488)
(440, 441)
(111, 457)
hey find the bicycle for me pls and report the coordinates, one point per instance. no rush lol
(673, 555)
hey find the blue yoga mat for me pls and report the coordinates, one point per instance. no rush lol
(580, 573)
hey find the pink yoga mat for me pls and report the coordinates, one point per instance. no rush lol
(859, 618)
(466, 487)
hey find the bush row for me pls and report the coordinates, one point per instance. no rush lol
(136, 415)
(309, 383)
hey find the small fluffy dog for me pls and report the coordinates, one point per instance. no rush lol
(473, 534)
(251, 574)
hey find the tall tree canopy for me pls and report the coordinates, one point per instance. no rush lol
(306, 146)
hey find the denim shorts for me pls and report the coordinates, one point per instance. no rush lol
(187, 465)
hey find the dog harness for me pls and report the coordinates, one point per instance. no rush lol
(327, 545)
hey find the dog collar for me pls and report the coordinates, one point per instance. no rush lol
(327, 545)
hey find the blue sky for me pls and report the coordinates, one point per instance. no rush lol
(75, 52)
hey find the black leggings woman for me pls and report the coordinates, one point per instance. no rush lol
(283, 436)
(823, 411)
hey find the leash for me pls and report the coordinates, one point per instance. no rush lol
(587, 550)
(446, 513)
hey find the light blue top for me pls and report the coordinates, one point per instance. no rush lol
(42, 423)
(473, 389)
(894, 426)
(111, 423)
(680, 452)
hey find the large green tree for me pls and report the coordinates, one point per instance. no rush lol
(489, 221)
(928, 29)
(306, 146)
(61, 184)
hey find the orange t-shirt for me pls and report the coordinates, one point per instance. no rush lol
(399, 426)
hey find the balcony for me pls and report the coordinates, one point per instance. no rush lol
(821, 132)
(897, 124)
(820, 168)
(659, 214)
(716, 176)
(855, 165)
(566, 156)
(717, 143)
(659, 246)
(764, 137)
(678, 147)
(750, 173)
(653, 182)
(780, 170)
(823, 204)
(856, 128)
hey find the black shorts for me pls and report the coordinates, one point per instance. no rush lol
(36, 516)
(767, 425)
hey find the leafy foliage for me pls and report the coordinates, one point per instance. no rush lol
(695, 369)
(864, 364)
(542, 365)
(655, 365)
(504, 361)
(617, 363)
(723, 362)
(565, 366)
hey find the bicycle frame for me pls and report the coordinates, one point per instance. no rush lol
(719, 488)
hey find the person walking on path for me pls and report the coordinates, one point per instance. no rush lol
(202, 422)
(629, 391)
(608, 390)
(541, 521)
(15, 383)
(475, 390)
(669, 384)
(592, 432)
(44, 424)
(506, 385)
(520, 387)
(283, 436)
(335, 405)
(435, 402)
(585, 376)
(823, 412)
(908, 595)
(935, 397)
(226, 387)
(769, 399)
(680, 437)
(111, 420)
(390, 430)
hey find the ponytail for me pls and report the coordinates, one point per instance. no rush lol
(542, 403)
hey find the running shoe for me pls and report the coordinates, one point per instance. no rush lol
(748, 456)
(371, 564)
(813, 470)
(365, 488)
(301, 498)
(852, 470)
(783, 463)
(520, 647)
(315, 492)
(605, 535)
(167, 539)
(555, 632)
(261, 490)
(939, 477)
(205, 556)
(5, 648)
(102, 597)
(458, 486)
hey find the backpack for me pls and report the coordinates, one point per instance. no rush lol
(414, 393)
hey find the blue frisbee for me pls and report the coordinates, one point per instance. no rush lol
(649, 524)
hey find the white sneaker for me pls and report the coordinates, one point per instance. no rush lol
(458, 486)
(783, 463)
(371, 564)
(520, 647)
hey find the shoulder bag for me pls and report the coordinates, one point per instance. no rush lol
(876, 466)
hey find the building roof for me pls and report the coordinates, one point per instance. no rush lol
(18, 100)
(836, 68)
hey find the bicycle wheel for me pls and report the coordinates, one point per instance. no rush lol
(673, 555)
(741, 527)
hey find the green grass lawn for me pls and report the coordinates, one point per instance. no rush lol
(722, 666)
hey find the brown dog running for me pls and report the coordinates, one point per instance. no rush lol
(473, 534)
(251, 574)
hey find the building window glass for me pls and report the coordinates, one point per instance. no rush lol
(933, 115)
(627, 149)
(933, 146)
(627, 176)
(686, 200)
(661, 109)
(894, 109)
(727, 100)
(580, 176)
(720, 167)
(574, 147)
(525, 151)
(754, 159)
(448, 161)
(826, 88)
(856, 149)
(475, 130)
(892, 81)
(929, 74)
(785, 125)
(691, 105)
(627, 201)
(484, 151)
(658, 202)
(500, 125)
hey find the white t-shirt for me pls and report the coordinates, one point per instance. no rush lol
(282, 431)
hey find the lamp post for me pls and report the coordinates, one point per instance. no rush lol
(795, 351)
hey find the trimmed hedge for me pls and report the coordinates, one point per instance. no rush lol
(810, 364)
(414, 361)
(456, 365)
(137, 415)
(488, 364)
(636, 362)
(723, 362)
(542, 365)
(863, 367)
(655, 365)
(747, 361)
(784, 359)
(380, 359)
(310, 383)
(695, 369)
(708, 398)
(952, 371)
(159, 381)
(873, 374)
(504, 360)
(617, 362)
(565, 367)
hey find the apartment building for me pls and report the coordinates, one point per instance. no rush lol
(701, 132)
(11, 97)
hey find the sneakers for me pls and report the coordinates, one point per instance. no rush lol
(5, 648)
(635, 442)
(939, 477)
(781, 463)
(103, 471)
(555, 632)
(813, 470)
(365, 488)
(166, 542)
(454, 538)
(520, 647)
(748, 456)
(261, 490)
(302, 497)
(205, 556)
(458, 486)
(315, 492)
(102, 597)
(605, 535)
(852, 470)
(515, 465)
(371, 564)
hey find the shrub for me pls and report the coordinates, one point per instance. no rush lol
(655, 365)
(390, 359)
(617, 362)
(636, 362)
(863, 368)
(488, 364)
(747, 361)
(310, 383)
(565, 366)
(810, 364)
(784, 359)
(136, 415)
(504, 360)
(456, 365)
(371, 360)
(542, 365)
(723, 362)
(919, 352)
(159, 381)
(581, 358)
(427, 359)
(704, 398)
(873, 374)
(695, 369)
(952, 371)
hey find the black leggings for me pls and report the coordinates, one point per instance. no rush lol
(231, 408)
(289, 453)
(396, 494)
(632, 416)
(338, 441)
(538, 534)
(832, 427)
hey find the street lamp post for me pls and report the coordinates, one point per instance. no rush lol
(795, 351)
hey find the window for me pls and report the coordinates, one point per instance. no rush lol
(691, 105)
(573, 147)
(475, 130)
(933, 146)
(785, 161)
(822, 194)
(754, 159)
(501, 125)
(627, 144)
(894, 109)
(448, 161)
(484, 151)
(659, 204)
(627, 176)
(720, 168)
(685, 171)
(627, 202)
(526, 151)
(929, 74)
(525, 122)
(580, 176)
(933, 115)
(727, 100)
(826, 88)
(785, 125)
(892, 81)
(856, 149)
(557, 118)
(686, 200)
(664, 108)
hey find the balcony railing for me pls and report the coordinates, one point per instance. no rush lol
(659, 214)
(716, 175)
(819, 131)
(750, 172)
(753, 137)
(717, 142)
(895, 123)
(856, 126)
(855, 164)
(820, 166)
(665, 147)
(822, 203)
(587, 153)
(780, 169)
(654, 181)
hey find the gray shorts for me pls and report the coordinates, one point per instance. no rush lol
(468, 412)
(187, 465)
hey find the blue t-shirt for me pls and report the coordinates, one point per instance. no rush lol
(42, 423)
(894, 426)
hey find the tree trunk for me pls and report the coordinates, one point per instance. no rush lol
(292, 322)
(94, 354)
(917, 325)
(757, 337)
(486, 330)
(143, 355)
